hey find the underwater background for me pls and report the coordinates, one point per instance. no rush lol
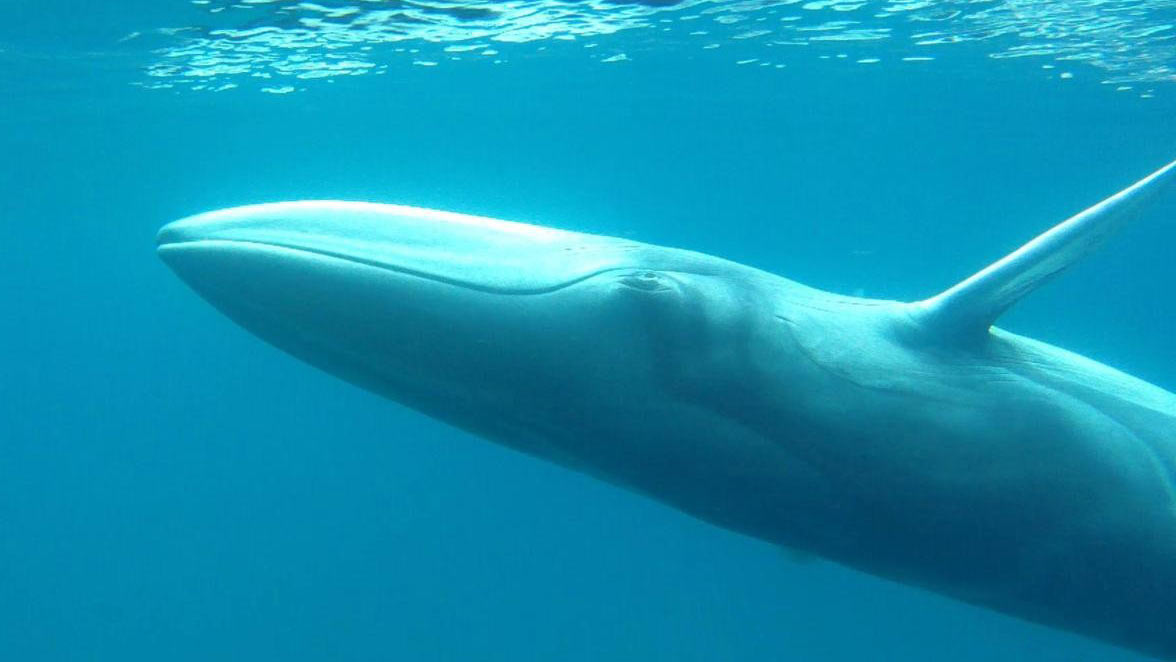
(173, 488)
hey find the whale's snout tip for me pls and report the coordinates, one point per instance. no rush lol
(189, 229)
(166, 235)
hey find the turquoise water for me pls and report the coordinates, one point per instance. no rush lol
(173, 488)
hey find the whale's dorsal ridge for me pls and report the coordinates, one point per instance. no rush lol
(970, 307)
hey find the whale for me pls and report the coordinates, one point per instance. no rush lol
(910, 440)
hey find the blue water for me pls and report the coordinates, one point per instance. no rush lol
(173, 488)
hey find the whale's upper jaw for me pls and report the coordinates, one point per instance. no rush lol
(469, 251)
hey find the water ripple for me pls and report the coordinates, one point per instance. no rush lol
(278, 46)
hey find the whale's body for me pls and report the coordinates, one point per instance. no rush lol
(909, 440)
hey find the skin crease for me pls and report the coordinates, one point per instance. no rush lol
(992, 468)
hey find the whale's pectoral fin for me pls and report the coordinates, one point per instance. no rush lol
(970, 307)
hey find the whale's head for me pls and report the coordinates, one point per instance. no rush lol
(493, 325)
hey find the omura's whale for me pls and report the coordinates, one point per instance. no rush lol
(913, 441)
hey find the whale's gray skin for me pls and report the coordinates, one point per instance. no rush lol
(908, 440)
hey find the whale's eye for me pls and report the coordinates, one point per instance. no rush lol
(650, 281)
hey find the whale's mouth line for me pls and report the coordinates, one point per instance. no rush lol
(164, 246)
